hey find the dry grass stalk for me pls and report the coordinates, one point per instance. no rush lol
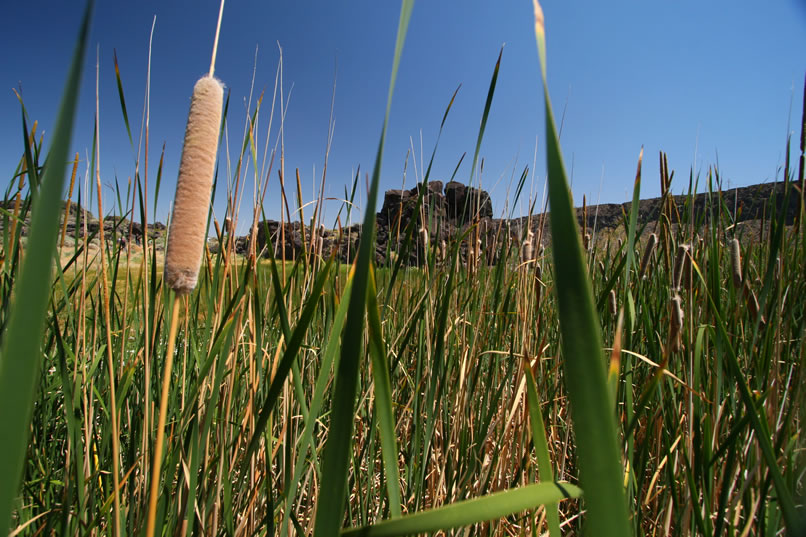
(69, 199)
(736, 262)
(648, 251)
(188, 230)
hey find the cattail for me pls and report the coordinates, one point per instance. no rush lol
(227, 224)
(613, 303)
(443, 250)
(752, 303)
(602, 270)
(538, 283)
(586, 241)
(526, 248)
(679, 262)
(676, 324)
(188, 230)
(650, 248)
(736, 262)
(687, 275)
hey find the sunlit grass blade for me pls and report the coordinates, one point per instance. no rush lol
(464, 513)
(582, 350)
(21, 358)
(336, 456)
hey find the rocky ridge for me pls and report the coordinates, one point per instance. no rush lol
(446, 211)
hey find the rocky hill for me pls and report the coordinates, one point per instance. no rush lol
(446, 210)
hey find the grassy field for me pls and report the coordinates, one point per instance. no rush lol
(610, 388)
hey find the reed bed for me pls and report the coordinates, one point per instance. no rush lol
(310, 397)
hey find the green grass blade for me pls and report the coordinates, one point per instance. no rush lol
(336, 456)
(383, 398)
(21, 357)
(464, 513)
(541, 447)
(585, 378)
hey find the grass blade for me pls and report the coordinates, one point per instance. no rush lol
(594, 423)
(21, 357)
(464, 513)
(336, 457)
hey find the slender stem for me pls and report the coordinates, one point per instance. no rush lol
(107, 316)
(215, 41)
(166, 384)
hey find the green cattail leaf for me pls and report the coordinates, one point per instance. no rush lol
(21, 356)
(336, 456)
(464, 513)
(597, 450)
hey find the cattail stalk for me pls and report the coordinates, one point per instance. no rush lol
(188, 232)
(69, 198)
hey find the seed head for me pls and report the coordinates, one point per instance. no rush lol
(650, 247)
(736, 262)
(188, 230)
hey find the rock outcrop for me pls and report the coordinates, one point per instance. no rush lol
(445, 212)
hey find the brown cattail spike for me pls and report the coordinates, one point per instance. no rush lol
(526, 248)
(687, 272)
(613, 304)
(188, 229)
(679, 262)
(736, 263)
(650, 248)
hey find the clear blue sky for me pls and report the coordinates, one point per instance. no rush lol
(704, 81)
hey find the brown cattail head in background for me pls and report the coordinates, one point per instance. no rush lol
(526, 248)
(586, 241)
(676, 324)
(613, 304)
(736, 262)
(687, 272)
(227, 224)
(650, 248)
(188, 230)
(679, 264)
